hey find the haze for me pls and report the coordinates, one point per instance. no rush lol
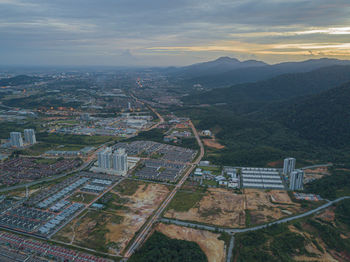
(163, 33)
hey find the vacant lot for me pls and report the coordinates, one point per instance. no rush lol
(82, 197)
(127, 207)
(213, 248)
(213, 143)
(225, 208)
(217, 206)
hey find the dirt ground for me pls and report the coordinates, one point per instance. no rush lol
(213, 248)
(213, 143)
(225, 208)
(266, 206)
(120, 224)
(141, 205)
(316, 173)
(219, 207)
(310, 247)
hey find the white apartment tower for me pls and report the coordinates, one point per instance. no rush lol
(120, 160)
(16, 139)
(296, 179)
(29, 136)
(288, 165)
(105, 158)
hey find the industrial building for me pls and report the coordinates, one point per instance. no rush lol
(296, 179)
(267, 178)
(288, 165)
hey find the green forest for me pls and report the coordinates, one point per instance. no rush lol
(160, 248)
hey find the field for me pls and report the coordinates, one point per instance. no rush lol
(225, 208)
(82, 197)
(127, 207)
(213, 248)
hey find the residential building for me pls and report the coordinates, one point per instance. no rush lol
(16, 139)
(288, 165)
(29, 136)
(120, 160)
(296, 179)
(104, 158)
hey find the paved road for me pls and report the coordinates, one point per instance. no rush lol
(147, 228)
(90, 161)
(314, 166)
(230, 249)
(47, 179)
(242, 230)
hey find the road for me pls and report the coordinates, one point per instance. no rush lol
(230, 249)
(147, 228)
(85, 208)
(242, 230)
(89, 162)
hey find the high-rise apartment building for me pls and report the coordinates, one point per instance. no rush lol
(16, 139)
(105, 158)
(288, 165)
(116, 162)
(120, 160)
(29, 136)
(296, 179)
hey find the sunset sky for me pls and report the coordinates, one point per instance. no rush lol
(179, 32)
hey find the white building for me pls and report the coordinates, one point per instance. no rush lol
(296, 179)
(16, 139)
(120, 161)
(288, 165)
(29, 136)
(105, 158)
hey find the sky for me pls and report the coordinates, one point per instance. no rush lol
(173, 32)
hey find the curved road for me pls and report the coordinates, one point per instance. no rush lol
(242, 230)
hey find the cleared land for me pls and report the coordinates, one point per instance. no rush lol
(223, 207)
(127, 207)
(213, 143)
(82, 197)
(213, 248)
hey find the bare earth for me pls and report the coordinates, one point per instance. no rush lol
(222, 207)
(213, 143)
(218, 207)
(213, 248)
(310, 247)
(139, 207)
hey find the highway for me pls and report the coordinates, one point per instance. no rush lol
(147, 228)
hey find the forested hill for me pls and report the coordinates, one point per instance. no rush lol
(225, 72)
(18, 80)
(252, 96)
(323, 118)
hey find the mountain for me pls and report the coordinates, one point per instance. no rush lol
(220, 65)
(252, 96)
(227, 71)
(18, 80)
(323, 118)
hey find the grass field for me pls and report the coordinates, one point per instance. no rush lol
(82, 198)
(185, 200)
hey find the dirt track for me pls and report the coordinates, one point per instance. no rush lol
(213, 143)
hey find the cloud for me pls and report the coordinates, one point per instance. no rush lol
(160, 32)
